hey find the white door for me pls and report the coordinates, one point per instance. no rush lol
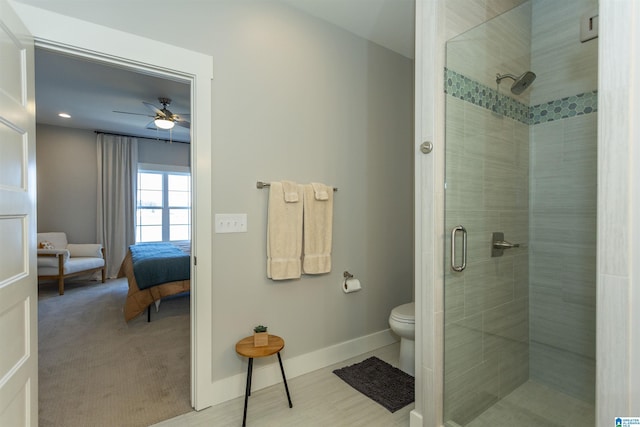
(18, 275)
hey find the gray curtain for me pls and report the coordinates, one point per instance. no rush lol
(117, 186)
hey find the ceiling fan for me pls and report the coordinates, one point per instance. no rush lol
(162, 118)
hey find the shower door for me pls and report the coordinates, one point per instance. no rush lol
(487, 191)
(513, 184)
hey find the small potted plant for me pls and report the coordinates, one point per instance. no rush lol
(260, 336)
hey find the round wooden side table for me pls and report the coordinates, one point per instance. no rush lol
(245, 348)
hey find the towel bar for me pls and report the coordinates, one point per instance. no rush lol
(260, 185)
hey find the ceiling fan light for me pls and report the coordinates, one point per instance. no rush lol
(164, 123)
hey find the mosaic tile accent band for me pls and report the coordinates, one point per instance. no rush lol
(462, 87)
(570, 106)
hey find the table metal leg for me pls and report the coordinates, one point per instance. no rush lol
(284, 379)
(250, 378)
(247, 392)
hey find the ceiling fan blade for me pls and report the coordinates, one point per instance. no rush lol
(153, 108)
(179, 118)
(151, 125)
(184, 124)
(133, 114)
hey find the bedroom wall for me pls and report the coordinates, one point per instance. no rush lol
(67, 177)
(296, 98)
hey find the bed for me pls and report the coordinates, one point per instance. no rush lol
(154, 271)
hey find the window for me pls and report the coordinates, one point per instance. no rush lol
(163, 211)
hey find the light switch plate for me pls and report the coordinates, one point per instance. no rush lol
(231, 223)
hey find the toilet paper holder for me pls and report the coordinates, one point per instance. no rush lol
(350, 283)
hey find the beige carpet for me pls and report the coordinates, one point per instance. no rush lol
(97, 370)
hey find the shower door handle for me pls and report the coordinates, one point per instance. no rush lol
(454, 231)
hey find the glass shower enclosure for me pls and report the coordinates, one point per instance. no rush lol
(520, 213)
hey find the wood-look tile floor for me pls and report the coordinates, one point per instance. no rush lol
(319, 399)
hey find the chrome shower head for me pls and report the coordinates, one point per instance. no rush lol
(519, 83)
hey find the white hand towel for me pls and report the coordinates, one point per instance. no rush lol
(318, 229)
(321, 191)
(290, 190)
(284, 234)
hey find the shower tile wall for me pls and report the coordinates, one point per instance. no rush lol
(487, 189)
(530, 313)
(563, 204)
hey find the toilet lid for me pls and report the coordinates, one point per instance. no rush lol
(404, 313)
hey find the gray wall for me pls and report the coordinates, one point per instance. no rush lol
(296, 98)
(67, 180)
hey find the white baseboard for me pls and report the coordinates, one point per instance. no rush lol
(415, 419)
(268, 375)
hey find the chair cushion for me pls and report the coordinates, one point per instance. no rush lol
(74, 265)
(82, 263)
(58, 239)
(51, 261)
(85, 249)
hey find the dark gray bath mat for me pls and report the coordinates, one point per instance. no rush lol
(389, 386)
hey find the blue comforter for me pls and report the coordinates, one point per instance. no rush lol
(157, 263)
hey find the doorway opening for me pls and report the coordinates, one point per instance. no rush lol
(173, 145)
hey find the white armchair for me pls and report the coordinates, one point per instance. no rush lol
(58, 259)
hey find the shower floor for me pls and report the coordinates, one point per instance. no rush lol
(535, 405)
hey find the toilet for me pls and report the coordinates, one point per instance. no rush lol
(402, 321)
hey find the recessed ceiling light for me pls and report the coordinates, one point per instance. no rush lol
(64, 115)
